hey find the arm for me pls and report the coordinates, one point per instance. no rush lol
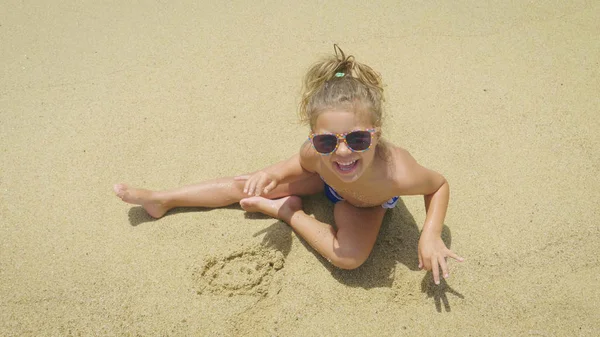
(432, 250)
(287, 170)
(267, 179)
(436, 204)
(435, 189)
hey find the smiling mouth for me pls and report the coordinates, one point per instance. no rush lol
(346, 167)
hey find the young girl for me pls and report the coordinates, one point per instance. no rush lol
(346, 158)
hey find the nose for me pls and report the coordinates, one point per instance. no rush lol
(343, 149)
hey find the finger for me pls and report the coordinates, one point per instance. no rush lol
(420, 261)
(251, 186)
(454, 256)
(244, 177)
(247, 185)
(444, 267)
(270, 187)
(435, 269)
(259, 186)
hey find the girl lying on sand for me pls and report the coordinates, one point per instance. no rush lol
(344, 157)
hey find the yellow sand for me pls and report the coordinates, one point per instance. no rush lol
(503, 99)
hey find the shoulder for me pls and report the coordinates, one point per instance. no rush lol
(399, 160)
(409, 177)
(309, 158)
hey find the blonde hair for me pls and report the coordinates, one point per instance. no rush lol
(340, 81)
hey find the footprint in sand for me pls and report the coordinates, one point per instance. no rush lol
(248, 272)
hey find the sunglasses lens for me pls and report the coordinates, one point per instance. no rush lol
(324, 143)
(359, 140)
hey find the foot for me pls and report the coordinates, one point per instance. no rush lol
(279, 208)
(144, 198)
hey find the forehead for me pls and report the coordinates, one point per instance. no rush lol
(341, 121)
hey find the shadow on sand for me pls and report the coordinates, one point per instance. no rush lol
(137, 214)
(397, 243)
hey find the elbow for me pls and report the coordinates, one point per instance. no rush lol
(445, 188)
(443, 183)
(442, 187)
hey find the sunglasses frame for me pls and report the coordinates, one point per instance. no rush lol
(342, 137)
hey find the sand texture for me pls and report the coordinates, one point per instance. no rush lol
(502, 98)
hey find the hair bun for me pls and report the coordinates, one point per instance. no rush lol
(339, 78)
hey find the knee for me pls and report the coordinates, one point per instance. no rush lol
(350, 261)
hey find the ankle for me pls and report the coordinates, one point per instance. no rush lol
(162, 199)
(288, 215)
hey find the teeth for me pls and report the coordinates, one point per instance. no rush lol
(346, 164)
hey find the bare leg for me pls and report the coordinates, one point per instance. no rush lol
(213, 193)
(346, 248)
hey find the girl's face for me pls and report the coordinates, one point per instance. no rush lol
(348, 165)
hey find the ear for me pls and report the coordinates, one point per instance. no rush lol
(377, 132)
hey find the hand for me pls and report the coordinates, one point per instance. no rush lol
(258, 183)
(432, 256)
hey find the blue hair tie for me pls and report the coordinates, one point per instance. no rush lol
(339, 74)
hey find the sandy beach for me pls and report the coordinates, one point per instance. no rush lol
(502, 99)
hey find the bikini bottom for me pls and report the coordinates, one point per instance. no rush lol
(334, 197)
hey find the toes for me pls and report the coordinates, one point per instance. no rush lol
(246, 203)
(251, 204)
(251, 200)
(120, 189)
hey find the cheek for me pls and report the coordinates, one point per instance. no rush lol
(369, 155)
(326, 160)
